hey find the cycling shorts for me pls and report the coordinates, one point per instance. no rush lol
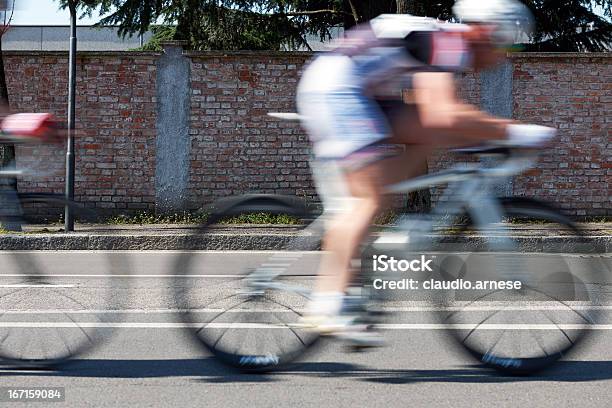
(343, 123)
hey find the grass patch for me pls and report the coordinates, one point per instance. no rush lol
(598, 220)
(199, 218)
(150, 218)
(386, 218)
(262, 218)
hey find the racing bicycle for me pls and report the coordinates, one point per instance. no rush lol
(49, 312)
(247, 310)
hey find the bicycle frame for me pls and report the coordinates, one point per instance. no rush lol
(469, 187)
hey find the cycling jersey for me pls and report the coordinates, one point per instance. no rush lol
(336, 95)
(395, 44)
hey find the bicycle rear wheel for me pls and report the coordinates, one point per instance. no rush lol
(244, 306)
(53, 305)
(525, 330)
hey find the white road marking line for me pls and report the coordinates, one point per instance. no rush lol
(399, 326)
(470, 326)
(38, 286)
(82, 275)
(275, 253)
(275, 265)
(212, 310)
(495, 308)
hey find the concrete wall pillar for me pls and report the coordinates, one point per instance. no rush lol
(173, 143)
(496, 98)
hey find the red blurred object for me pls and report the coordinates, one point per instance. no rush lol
(38, 126)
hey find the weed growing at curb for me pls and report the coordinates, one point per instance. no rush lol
(150, 218)
(199, 218)
(262, 218)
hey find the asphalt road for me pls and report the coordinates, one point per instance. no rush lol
(147, 357)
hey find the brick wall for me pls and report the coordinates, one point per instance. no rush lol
(236, 148)
(573, 94)
(116, 113)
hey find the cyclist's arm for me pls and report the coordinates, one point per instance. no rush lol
(440, 110)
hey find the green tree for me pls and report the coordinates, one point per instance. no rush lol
(562, 25)
(7, 9)
(571, 25)
(223, 24)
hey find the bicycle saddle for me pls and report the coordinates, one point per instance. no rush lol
(484, 149)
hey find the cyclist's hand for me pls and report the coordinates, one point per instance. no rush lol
(530, 135)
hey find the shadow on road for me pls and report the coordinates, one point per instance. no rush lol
(210, 371)
(207, 368)
(565, 371)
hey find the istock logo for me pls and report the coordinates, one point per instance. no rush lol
(384, 263)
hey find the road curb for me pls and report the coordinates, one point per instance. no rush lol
(273, 241)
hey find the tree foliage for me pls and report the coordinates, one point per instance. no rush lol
(562, 25)
(571, 25)
(224, 24)
(7, 10)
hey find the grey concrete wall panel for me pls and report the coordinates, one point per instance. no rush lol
(22, 38)
(173, 141)
(50, 38)
(496, 90)
(496, 98)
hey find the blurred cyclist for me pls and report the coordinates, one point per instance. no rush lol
(353, 108)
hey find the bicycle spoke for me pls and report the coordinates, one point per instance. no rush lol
(558, 327)
(27, 342)
(490, 349)
(536, 337)
(586, 319)
(226, 328)
(285, 323)
(60, 335)
(91, 341)
(479, 298)
(5, 337)
(481, 323)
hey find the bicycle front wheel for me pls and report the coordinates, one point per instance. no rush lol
(526, 329)
(244, 305)
(56, 305)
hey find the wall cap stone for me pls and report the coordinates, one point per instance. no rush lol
(246, 53)
(81, 54)
(560, 55)
(206, 54)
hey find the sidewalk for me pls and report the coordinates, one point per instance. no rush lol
(531, 237)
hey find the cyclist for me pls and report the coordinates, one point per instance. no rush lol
(354, 110)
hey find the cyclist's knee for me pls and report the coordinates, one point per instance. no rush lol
(366, 208)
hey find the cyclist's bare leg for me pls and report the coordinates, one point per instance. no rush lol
(421, 134)
(347, 230)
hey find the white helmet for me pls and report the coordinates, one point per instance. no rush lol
(513, 18)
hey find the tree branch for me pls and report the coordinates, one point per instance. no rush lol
(7, 23)
(307, 13)
(354, 11)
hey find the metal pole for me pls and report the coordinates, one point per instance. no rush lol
(70, 164)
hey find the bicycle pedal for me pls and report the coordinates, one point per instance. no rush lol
(375, 313)
(361, 339)
(351, 348)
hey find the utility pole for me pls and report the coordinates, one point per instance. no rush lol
(70, 159)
